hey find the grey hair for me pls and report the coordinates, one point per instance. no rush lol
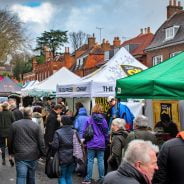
(119, 122)
(138, 150)
(141, 121)
(28, 112)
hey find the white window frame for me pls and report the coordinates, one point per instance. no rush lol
(171, 32)
(174, 54)
(157, 60)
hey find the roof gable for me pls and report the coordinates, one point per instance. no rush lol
(159, 38)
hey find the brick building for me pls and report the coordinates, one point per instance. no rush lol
(83, 61)
(137, 45)
(169, 38)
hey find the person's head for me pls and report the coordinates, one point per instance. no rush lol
(111, 100)
(66, 120)
(142, 155)
(58, 108)
(12, 103)
(141, 121)
(27, 113)
(165, 117)
(78, 105)
(98, 109)
(118, 124)
(37, 109)
(5, 106)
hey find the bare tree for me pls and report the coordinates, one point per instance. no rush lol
(11, 34)
(77, 39)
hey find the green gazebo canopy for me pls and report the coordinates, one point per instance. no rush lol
(163, 81)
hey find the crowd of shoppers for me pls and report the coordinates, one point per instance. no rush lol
(125, 147)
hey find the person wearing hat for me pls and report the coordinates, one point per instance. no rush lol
(119, 110)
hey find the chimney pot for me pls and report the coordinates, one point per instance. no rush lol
(148, 29)
(145, 30)
(141, 30)
(103, 41)
(174, 3)
(179, 3)
(170, 3)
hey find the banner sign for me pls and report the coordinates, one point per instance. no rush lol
(131, 70)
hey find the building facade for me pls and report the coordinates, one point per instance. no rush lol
(169, 38)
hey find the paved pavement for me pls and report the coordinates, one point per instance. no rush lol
(8, 175)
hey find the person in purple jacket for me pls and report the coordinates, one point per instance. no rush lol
(96, 146)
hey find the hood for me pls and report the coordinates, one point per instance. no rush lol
(82, 111)
(128, 170)
(120, 132)
(98, 118)
(37, 115)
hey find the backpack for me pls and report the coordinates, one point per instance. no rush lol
(88, 133)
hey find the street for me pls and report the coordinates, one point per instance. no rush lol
(8, 175)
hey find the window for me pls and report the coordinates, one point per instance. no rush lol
(157, 60)
(171, 32)
(174, 54)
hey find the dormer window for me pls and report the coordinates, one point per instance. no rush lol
(171, 32)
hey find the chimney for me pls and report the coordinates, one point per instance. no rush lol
(91, 41)
(116, 42)
(105, 45)
(34, 64)
(173, 8)
(47, 53)
(141, 30)
(148, 30)
(145, 30)
(67, 50)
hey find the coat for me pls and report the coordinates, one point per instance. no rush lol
(63, 142)
(100, 129)
(171, 162)
(126, 174)
(52, 124)
(26, 140)
(80, 121)
(116, 149)
(6, 119)
(143, 134)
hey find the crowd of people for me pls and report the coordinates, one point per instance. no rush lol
(125, 146)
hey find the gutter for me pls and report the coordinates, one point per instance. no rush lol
(164, 46)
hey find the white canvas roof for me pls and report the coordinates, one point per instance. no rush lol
(62, 76)
(101, 83)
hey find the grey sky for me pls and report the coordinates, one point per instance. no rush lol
(123, 18)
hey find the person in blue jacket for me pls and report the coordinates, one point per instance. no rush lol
(119, 110)
(80, 121)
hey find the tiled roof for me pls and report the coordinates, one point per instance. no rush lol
(142, 41)
(93, 61)
(159, 38)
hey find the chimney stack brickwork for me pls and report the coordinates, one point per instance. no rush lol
(173, 8)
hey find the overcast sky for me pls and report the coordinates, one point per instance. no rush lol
(123, 18)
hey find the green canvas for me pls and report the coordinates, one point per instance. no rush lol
(163, 81)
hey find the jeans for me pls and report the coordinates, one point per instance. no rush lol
(26, 171)
(91, 154)
(66, 174)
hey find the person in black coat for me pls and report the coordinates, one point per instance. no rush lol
(118, 137)
(167, 125)
(138, 166)
(6, 120)
(171, 162)
(13, 107)
(52, 124)
(63, 143)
